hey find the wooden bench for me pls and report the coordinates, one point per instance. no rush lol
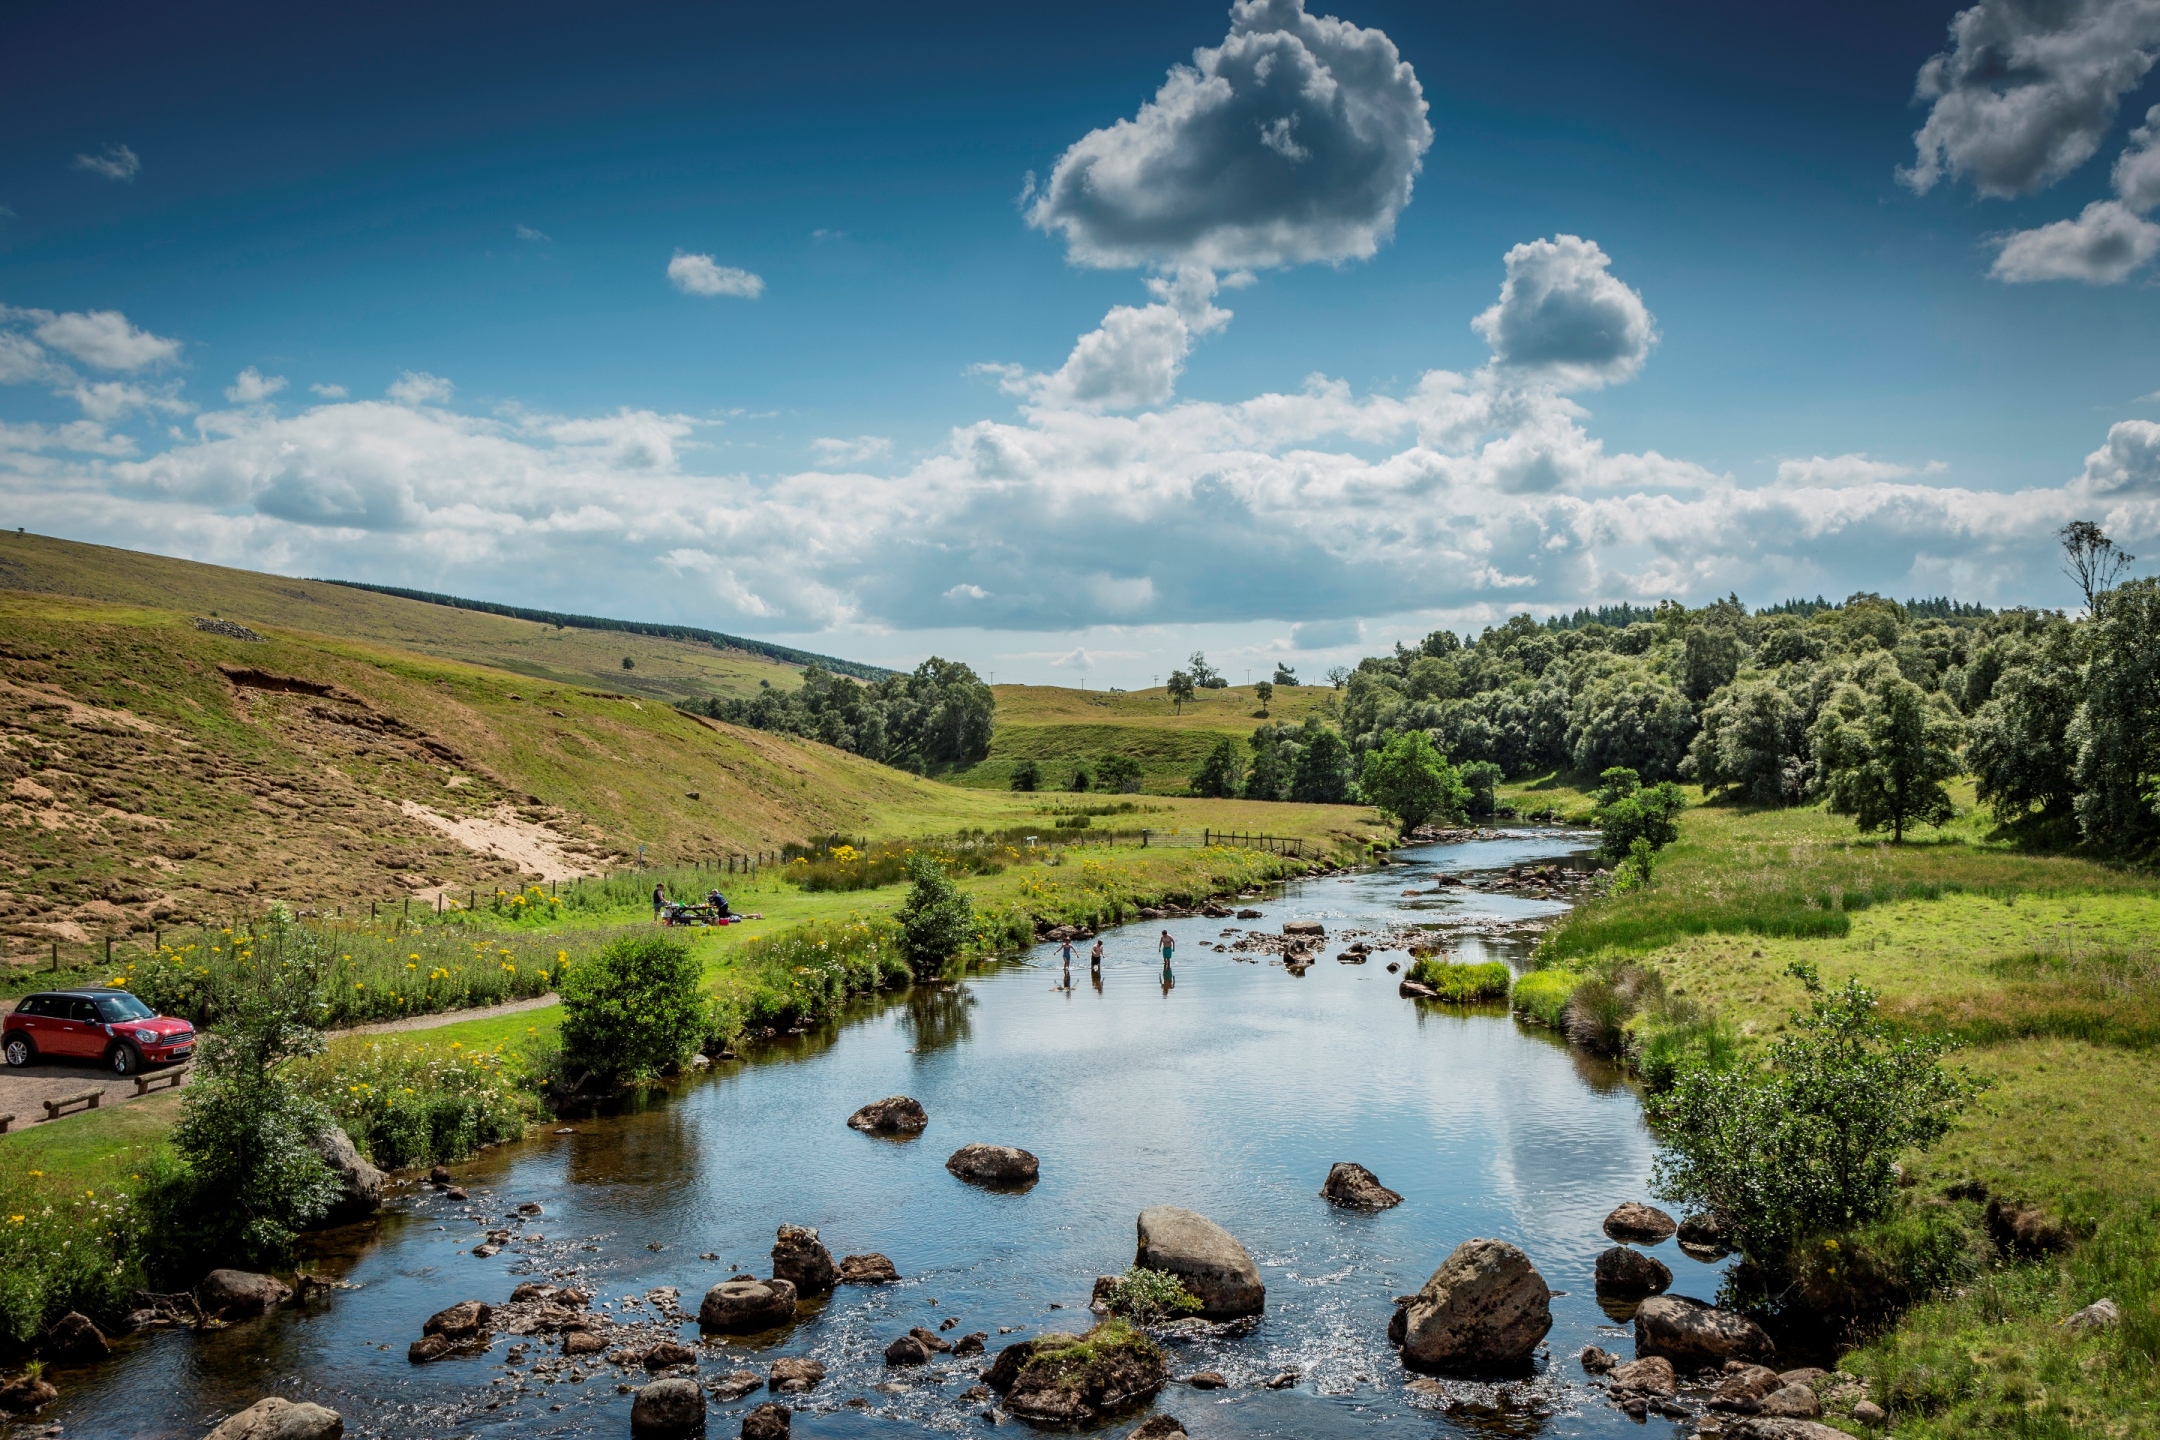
(163, 1080)
(87, 1098)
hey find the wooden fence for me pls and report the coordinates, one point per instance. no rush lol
(1190, 840)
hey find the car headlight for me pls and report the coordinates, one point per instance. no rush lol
(147, 1037)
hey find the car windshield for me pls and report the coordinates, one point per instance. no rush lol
(114, 1009)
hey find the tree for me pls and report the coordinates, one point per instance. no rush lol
(1629, 811)
(2091, 560)
(1027, 775)
(2019, 749)
(1413, 782)
(634, 1010)
(1322, 776)
(1709, 659)
(1275, 754)
(1631, 716)
(1204, 675)
(2116, 731)
(1285, 676)
(1884, 752)
(1222, 774)
(1120, 774)
(1083, 779)
(1338, 675)
(1753, 741)
(1181, 690)
(1480, 777)
(1264, 692)
(247, 1175)
(1807, 1144)
(628, 663)
(936, 920)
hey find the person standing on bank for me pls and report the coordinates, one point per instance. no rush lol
(659, 900)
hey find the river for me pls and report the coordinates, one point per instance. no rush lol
(1231, 1091)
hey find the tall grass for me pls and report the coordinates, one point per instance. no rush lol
(2104, 998)
(61, 1251)
(365, 972)
(1463, 984)
(418, 1102)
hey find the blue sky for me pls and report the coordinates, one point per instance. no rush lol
(1830, 359)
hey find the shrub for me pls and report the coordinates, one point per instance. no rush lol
(1806, 1145)
(936, 922)
(1917, 1253)
(1146, 1296)
(1027, 775)
(634, 1010)
(1664, 1051)
(1628, 812)
(1119, 773)
(1463, 984)
(246, 1176)
(1222, 774)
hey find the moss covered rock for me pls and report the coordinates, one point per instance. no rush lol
(1065, 1379)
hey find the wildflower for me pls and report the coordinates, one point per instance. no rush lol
(15, 1219)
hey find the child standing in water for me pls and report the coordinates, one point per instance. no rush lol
(1095, 960)
(1168, 945)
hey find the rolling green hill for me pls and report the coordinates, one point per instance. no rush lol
(1057, 727)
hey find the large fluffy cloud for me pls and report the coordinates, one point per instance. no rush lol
(103, 338)
(2028, 89)
(1562, 317)
(1297, 139)
(1314, 507)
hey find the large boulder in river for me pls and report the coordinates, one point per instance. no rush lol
(234, 1294)
(462, 1321)
(894, 1115)
(668, 1408)
(1705, 1235)
(1628, 1274)
(799, 1258)
(1205, 1256)
(75, 1336)
(360, 1185)
(993, 1165)
(744, 1307)
(796, 1375)
(1694, 1335)
(768, 1422)
(1640, 1224)
(1063, 1379)
(1354, 1187)
(279, 1419)
(1485, 1308)
(1765, 1428)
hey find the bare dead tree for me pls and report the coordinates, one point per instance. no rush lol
(2093, 560)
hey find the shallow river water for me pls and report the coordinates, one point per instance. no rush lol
(1230, 1091)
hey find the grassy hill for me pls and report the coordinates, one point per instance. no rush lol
(1056, 727)
(664, 670)
(153, 772)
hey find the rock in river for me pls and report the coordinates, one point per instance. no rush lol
(796, 1375)
(231, 1294)
(1203, 1255)
(461, 1321)
(360, 1185)
(279, 1419)
(894, 1115)
(75, 1336)
(1651, 1375)
(799, 1258)
(993, 1165)
(1705, 1235)
(871, 1269)
(1765, 1428)
(1062, 1379)
(768, 1422)
(1486, 1307)
(907, 1350)
(1692, 1334)
(734, 1385)
(1354, 1187)
(25, 1394)
(1640, 1224)
(1157, 1427)
(743, 1307)
(668, 1408)
(1630, 1274)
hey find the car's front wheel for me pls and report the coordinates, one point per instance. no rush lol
(19, 1052)
(125, 1060)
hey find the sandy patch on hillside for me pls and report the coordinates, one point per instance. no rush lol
(47, 697)
(533, 848)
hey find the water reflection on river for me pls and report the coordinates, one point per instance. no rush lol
(1231, 1092)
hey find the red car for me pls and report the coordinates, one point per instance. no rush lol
(100, 1025)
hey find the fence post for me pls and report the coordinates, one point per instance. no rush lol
(108, 952)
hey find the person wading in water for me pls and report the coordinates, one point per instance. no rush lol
(1169, 947)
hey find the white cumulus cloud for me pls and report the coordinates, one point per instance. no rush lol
(114, 162)
(2027, 90)
(1297, 139)
(2129, 463)
(1135, 356)
(104, 338)
(417, 387)
(108, 400)
(329, 392)
(252, 387)
(2102, 246)
(699, 275)
(832, 450)
(1563, 317)
(1825, 471)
